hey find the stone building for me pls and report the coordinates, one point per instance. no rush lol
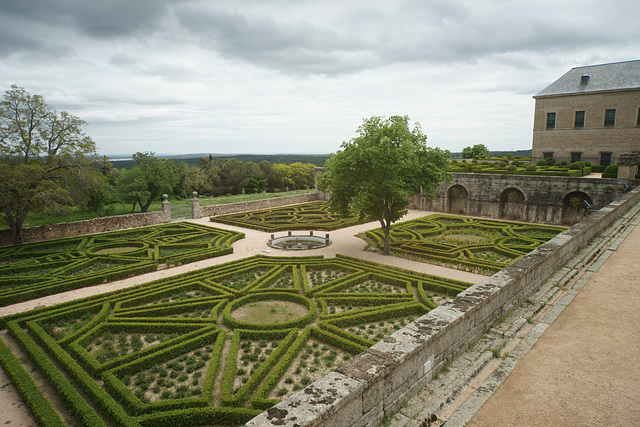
(591, 113)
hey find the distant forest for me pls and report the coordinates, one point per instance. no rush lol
(194, 159)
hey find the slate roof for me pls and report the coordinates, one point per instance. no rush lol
(604, 77)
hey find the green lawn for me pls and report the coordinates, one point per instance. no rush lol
(125, 208)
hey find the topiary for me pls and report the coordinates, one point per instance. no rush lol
(550, 161)
(576, 166)
(541, 162)
(532, 168)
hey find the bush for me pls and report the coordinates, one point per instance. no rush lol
(550, 161)
(532, 168)
(576, 166)
(541, 162)
(610, 171)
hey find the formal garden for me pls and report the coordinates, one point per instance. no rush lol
(482, 246)
(213, 346)
(303, 216)
(38, 269)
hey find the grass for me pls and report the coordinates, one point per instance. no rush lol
(113, 209)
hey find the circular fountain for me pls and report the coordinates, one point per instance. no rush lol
(292, 242)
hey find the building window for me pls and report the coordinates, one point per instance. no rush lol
(547, 155)
(605, 159)
(610, 118)
(638, 123)
(576, 156)
(579, 122)
(551, 120)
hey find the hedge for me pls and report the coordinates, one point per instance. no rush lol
(303, 216)
(39, 269)
(104, 391)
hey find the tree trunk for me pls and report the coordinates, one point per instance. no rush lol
(387, 239)
(134, 207)
(17, 231)
(145, 207)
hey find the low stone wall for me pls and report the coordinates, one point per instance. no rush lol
(378, 381)
(89, 226)
(273, 202)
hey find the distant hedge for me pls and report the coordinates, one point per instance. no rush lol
(479, 245)
(38, 269)
(303, 216)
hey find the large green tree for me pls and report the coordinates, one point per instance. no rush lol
(479, 150)
(376, 173)
(44, 155)
(147, 180)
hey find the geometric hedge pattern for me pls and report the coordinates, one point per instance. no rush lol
(480, 245)
(37, 269)
(303, 216)
(214, 346)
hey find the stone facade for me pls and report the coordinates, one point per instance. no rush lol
(532, 198)
(593, 139)
(590, 113)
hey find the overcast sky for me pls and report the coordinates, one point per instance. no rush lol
(285, 76)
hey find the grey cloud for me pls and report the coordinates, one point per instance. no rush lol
(101, 19)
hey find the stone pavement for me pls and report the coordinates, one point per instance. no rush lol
(550, 362)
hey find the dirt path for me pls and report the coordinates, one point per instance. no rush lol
(585, 369)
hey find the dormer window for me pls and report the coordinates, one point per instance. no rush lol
(584, 80)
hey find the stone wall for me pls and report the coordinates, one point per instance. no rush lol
(532, 198)
(274, 202)
(89, 226)
(377, 382)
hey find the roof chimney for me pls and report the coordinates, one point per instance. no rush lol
(584, 80)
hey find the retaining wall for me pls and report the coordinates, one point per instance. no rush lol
(273, 202)
(378, 381)
(89, 226)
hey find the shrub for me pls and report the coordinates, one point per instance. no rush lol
(531, 168)
(576, 166)
(541, 162)
(610, 171)
(550, 161)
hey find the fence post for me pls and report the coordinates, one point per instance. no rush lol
(195, 205)
(166, 208)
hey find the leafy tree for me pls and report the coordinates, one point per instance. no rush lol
(256, 184)
(479, 150)
(376, 172)
(147, 180)
(44, 155)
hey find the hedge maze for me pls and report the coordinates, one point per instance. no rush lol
(303, 216)
(214, 346)
(38, 269)
(479, 245)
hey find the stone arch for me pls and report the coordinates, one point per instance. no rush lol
(457, 199)
(512, 203)
(573, 207)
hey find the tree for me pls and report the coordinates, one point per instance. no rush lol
(479, 150)
(147, 180)
(42, 156)
(376, 172)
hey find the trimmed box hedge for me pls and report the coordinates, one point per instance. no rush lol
(482, 246)
(303, 216)
(39, 269)
(152, 355)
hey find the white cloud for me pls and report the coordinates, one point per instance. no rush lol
(299, 76)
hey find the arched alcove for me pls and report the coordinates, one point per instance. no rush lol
(458, 199)
(575, 206)
(512, 204)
